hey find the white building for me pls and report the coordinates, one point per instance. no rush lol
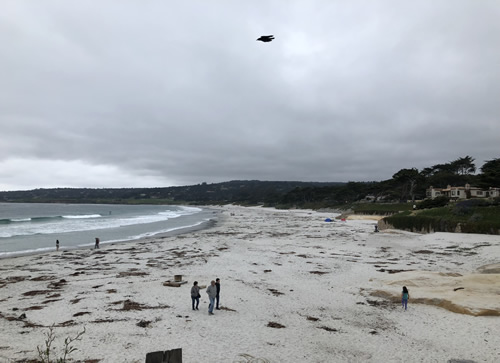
(466, 192)
(493, 192)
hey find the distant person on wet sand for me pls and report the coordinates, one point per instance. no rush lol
(57, 245)
(405, 296)
(212, 293)
(195, 295)
(96, 243)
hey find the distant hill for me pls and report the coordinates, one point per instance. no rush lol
(236, 191)
(407, 184)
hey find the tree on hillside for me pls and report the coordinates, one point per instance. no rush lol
(490, 174)
(407, 180)
(463, 166)
(442, 168)
(427, 172)
(457, 172)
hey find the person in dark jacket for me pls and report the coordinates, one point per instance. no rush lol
(217, 297)
(405, 296)
(195, 295)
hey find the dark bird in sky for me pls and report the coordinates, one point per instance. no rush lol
(266, 38)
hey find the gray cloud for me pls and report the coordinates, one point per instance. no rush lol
(162, 93)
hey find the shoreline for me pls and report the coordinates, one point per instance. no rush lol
(176, 231)
(293, 288)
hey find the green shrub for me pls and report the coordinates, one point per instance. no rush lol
(476, 217)
(433, 203)
(482, 218)
(381, 208)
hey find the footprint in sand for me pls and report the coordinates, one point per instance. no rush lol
(203, 332)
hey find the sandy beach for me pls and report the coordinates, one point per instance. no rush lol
(294, 288)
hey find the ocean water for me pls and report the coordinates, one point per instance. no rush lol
(34, 228)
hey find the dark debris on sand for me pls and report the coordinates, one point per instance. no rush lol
(132, 305)
(273, 324)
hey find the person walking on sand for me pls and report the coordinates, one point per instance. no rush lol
(217, 297)
(195, 295)
(96, 243)
(57, 245)
(212, 293)
(405, 295)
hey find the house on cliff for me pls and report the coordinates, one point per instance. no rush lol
(465, 192)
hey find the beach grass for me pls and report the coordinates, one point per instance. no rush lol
(381, 208)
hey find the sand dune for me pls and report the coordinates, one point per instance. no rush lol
(473, 294)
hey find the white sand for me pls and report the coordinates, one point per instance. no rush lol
(317, 279)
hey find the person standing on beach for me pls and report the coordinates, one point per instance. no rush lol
(195, 295)
(405, 295)
(212, 293)
(96, 243)
(57, 245)
(217, 297)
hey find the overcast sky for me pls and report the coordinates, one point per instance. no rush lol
(160, 93)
